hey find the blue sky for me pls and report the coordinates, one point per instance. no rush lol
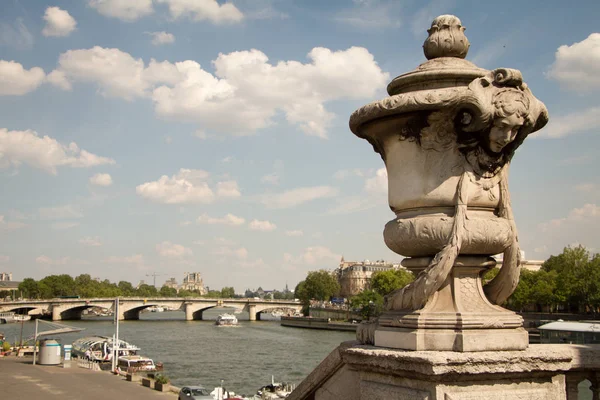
(194, 135)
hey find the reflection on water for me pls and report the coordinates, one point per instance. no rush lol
(198, 352)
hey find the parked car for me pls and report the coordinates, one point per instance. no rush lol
(194, 393)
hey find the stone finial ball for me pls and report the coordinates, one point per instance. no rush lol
(446, 38)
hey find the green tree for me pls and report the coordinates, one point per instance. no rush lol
(368, 302)
(385, 282)
(146, 291)
(576, 278)
(126, 289)
(522, 295)
(186, 293)
(228, 292)
(59, 285)
(318, 285)
(30, 289)
(167, 291)
(213, 294)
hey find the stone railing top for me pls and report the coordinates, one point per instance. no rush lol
(537, 357)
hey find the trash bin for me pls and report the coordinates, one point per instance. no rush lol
(49, 352)
(67, 352)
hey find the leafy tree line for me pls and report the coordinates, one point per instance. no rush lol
(322, 285)
(569, 282)
(84, 286)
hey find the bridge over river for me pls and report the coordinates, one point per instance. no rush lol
(130, 307)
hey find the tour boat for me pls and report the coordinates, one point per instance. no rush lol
(7, 317)
(100, 348)
(226, 320)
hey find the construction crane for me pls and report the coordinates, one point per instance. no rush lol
(154, 275)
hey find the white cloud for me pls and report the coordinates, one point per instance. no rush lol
(45, 153)
(313, 256)
(295, 197)
(346, 173)
(377, 184)
(159, 38)
(62, 212)
(244, 81)
(125, 10)
(135, 260)
(241, 253)
(228, 189)
(58, 22)
(50, 261)
(586, 187)
(101, 180)
(570, 124)
(201, 10)
(585, 213)
(185, 187)
(10, 225)
(168, 249)
(264, 226)
(576, 67)
(59, 79)
(225, 251)
(272, 179)
(352, 204)
(64, 225)
(228, 219)
(115, 72)
(294, 233)
(90, 241)
(16, 80)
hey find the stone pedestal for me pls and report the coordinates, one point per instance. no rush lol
(361, 372)
(458, 317)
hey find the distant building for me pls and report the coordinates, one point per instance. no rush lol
(355, 276)
(171, 283)
(7, 285)
(193, 281)
(531, 265)
(5, 276)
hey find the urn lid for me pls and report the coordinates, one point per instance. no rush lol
(445, 49)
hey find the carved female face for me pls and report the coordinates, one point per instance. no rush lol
(504, 131)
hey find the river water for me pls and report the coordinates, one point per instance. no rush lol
(199, 352)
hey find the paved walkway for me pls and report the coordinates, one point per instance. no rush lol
(21, 380)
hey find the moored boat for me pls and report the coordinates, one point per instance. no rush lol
(226, 320)
(7, 317)
(100, 348)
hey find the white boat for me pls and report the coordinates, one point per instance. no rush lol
(156, 309)
(22, 317)
(7, 317)
(100, 348)
(275, 390)
(227, 320)
(137, 364)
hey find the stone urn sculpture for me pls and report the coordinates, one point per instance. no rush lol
(447, 133)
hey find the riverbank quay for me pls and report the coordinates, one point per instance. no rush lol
(21, 380)
(317, 323)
